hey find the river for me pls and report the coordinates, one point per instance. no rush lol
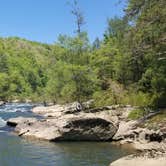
(16, 151)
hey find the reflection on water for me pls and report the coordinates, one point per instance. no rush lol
(23, 152)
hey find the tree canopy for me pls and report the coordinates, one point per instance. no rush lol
(127, 67)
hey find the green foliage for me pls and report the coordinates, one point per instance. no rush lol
(127, 67)
(137, 99)
(139, 59)
(58, 73)
(117, 94)
(158, 100)
(153, 123)
(136, 114)
(113, 95)
(21, 68)
(4, 86)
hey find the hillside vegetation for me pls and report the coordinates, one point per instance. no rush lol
(127, 67)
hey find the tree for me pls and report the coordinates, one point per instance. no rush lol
(148, 46)
(96, 44)
(78, 15)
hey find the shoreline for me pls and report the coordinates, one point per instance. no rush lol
(147, 145)
(140, 161)
(144, 154)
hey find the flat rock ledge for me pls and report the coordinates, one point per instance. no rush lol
(15, 121)
(140, 161)
(66, 124)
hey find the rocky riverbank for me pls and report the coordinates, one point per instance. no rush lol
(150, 144)
(67, 123)
(74, 122)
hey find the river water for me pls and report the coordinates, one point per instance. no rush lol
(16, 151)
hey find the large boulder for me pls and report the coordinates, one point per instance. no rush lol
(81, 127)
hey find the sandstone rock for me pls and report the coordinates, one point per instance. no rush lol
(88, 104)
(125, 130)
(139, 161)
(125, 112)
(15, 101)
(149, 146)
(19, 120)
(130, 130)
(72, 108)
(2, 103)
(142, 136)
(126, 141)
(81, 127)
(50, 109)
(58, 110)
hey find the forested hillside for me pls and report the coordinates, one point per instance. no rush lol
(127, 67)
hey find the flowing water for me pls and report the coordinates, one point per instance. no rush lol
(16, 151)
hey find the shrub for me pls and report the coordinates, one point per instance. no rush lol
(137, 99)
(114, 95)
(136, 114)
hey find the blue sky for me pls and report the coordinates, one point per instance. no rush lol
(44, 20)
